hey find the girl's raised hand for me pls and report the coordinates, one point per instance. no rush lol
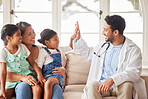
(77, 31)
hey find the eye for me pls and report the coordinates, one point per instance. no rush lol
(105, 29)
(18, 34)
(29, 34)
(56, 39)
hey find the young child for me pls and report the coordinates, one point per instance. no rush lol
(49, 59)
(13, 58)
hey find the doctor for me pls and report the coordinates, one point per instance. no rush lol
(115, 65)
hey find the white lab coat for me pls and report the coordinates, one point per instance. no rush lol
(129, 66)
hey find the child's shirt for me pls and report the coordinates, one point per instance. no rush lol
(4, 51)
(44, 58)
(16, 63)
(42, 54)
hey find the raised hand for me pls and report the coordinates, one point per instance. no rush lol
(75, 35)
(77, 31)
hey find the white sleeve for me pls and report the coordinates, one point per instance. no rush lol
(3, 55)
(41, 57)
(27, 52)
(81, 47)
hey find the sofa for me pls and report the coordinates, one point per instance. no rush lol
(77, 70)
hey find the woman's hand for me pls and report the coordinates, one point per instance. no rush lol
(41, 80)
(2, 95)
(59, 70)
(30, 80)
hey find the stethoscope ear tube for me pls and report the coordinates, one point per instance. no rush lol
(100, 49)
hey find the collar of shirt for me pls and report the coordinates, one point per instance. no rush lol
(112, 46)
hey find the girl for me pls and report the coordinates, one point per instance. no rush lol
(15, 55)
(49, 59)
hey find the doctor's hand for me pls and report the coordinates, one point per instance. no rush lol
(105, 86)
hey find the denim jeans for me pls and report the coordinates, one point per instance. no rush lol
(57, 92)
(23, 91)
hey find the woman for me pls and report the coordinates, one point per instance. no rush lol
(28, 36)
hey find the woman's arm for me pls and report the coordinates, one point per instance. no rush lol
(38, 70)
(11, 77)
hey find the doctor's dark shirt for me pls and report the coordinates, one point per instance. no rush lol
(110, 64)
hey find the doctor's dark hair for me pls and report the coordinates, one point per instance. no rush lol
(8, 30)
(116, 22)
(46, 34)
(23, 26)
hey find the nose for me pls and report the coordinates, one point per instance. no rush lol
(33, 35)
(103, 32)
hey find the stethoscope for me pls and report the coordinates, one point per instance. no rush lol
(99, 55)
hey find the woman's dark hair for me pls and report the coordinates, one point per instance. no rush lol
(8, 30)
(46, 34)
(116, 22)
(23, 26)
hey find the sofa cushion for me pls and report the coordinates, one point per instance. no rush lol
(63, 60)
(77, 69)
(72, 95)
(78, 88)
(73, 91)
(63, 65)
(145, 77)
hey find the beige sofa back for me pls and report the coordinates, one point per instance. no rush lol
(77, 69)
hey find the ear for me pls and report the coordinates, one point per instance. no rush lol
(116, 32)
(46, 42)
(8, 38)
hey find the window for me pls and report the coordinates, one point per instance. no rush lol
(131, 11)
(86, 13)
(1, 18)
(61, 16)
(1, 13)
(36, 12)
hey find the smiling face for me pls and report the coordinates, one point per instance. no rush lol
(53, 43)
(29, 36)
(107, 32)
(16, 39)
